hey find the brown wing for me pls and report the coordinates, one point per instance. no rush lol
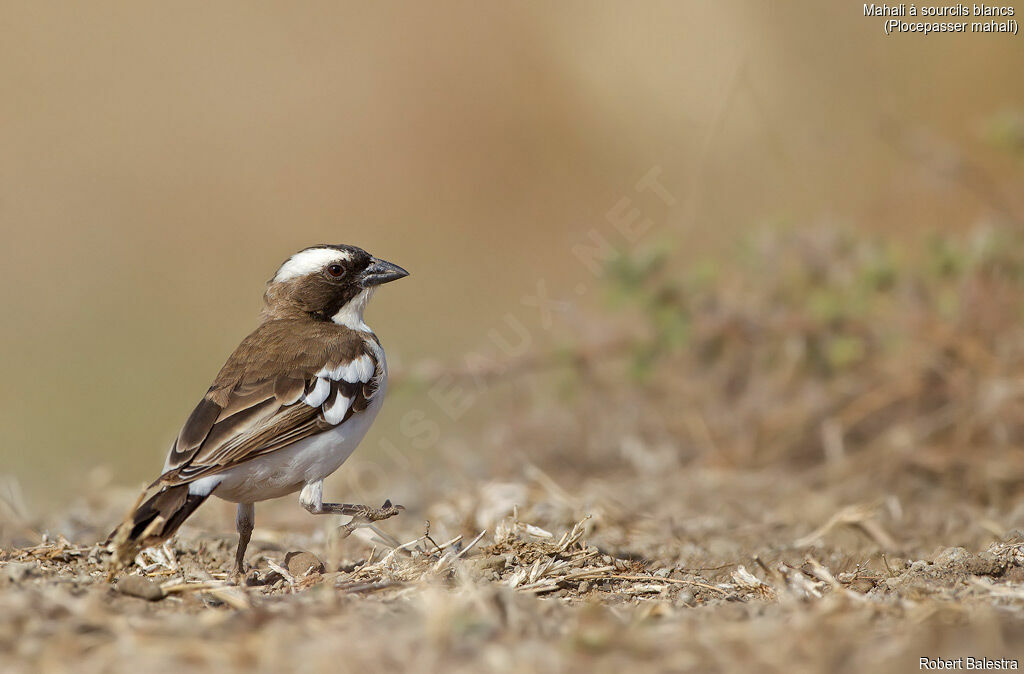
(287, 381)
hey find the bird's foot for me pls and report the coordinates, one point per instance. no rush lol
(365, 515)
(244, 578)
(375, 514)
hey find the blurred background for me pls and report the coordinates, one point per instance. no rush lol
(160, 161)
(733, 290)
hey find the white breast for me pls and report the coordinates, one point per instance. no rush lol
(286, 470)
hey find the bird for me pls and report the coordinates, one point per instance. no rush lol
(289, 406)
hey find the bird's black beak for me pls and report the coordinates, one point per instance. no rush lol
(381, 271)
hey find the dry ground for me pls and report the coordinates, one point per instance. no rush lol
(824, 474)
(717, 571)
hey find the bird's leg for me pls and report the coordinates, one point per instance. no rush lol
(312, 500)
(245, 520)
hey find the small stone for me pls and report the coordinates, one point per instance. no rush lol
(607, 559)
(620, 565)
(496, 562)
(584, 587)
(663, 573)
(300, 563)
(685, 598)
(143, 588)
(953, 558)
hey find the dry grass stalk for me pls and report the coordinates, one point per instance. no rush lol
(858, 516)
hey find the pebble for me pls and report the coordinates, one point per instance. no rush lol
(143, 588)
(300, 562)
(953, 557)
(685, 597)
(960, 559)
(584, 587)
(496, 562)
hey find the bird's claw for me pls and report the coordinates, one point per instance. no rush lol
(365, 516)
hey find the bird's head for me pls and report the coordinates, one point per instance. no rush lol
(328, 282)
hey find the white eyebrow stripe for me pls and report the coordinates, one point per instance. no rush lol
(335, 412)
(318, 395)
(308, 262)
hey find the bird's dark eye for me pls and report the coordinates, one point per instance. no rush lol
(335, 271)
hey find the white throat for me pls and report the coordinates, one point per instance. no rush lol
(351, 315)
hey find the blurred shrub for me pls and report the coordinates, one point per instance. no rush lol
(897, 345)
(1005, 131)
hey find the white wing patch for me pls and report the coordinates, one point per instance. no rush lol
(318, 395)
(358, 371)
(335, 412)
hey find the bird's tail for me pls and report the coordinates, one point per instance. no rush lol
(154, 521)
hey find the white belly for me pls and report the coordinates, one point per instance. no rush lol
(287, 470)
